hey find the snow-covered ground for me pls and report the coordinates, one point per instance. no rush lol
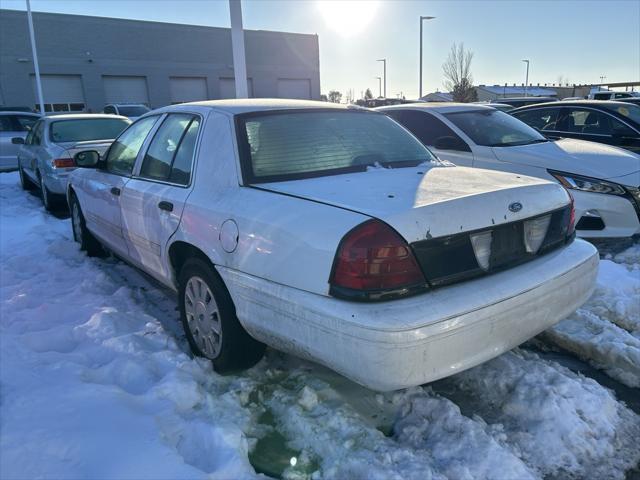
(96, 382)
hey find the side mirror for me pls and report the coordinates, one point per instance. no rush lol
(87, 159)
(448, 143)
(17, 141)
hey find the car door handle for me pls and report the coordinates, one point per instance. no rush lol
(115, 191)
(168, 206)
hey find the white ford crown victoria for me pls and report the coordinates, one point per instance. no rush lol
(331, 233)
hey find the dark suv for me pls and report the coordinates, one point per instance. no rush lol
(610, 122)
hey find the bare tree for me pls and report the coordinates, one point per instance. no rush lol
(562, 80)
(335, 96)
(457, 74)
(367, 94)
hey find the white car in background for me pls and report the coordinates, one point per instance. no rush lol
(604, 180)
(132, 111)
(331, 233)
(13, 125)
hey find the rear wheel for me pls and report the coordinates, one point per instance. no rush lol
(209, 320)
(25, 182)
(47, 197)
(80, 232)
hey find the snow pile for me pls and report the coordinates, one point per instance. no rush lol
(606, 330)
(92, 385)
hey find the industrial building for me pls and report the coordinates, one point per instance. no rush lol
(86, 62)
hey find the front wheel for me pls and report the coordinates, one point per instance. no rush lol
(209, 320)
(80, 232)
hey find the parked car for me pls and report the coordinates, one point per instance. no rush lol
(503, 107)
(604, 180)
(613, 123)
(20, 109)
(608, 95)
(132, 111)
(516, 102)
(632, 100)
(329, 232)
(12, 125)
(45, 157)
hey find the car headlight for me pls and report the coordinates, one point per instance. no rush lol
(587, 184)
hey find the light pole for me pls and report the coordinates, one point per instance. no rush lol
(384, 74)
(526, 83)
(602, 77)
(379, 86)
(237, 47)
(35, 58)
(422, 18)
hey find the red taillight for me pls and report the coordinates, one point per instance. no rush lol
(63, 163)
(373, 257)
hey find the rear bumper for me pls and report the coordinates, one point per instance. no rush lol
(408, 342)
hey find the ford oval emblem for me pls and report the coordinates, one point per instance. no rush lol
(515, 207)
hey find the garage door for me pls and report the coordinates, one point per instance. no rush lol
(125, 89)
(62, 93)
(228, 87)
(294, 88)
(187, 89)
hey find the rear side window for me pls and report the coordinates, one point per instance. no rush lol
(427, 128)
(287, 145)
(5, 124)
(123, 152)
(540, 118)
(170, 152)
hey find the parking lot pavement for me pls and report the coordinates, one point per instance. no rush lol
(92, 360)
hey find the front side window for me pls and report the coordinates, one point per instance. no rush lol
(588, 122)
(492, 128)
(82, 130)
(25, 122)
(110, 110)
(287, 145)
(123, 152)
(540, 118)
(37, 133)
(5, 124)
(428, 129)
(170, 152)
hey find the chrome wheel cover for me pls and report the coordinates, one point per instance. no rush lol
(203, 317)
(75, 222)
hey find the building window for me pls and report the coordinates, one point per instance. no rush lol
(61, 107)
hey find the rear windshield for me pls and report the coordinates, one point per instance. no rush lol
(133, 110)
(492, 128)
(80, 130)
(279, 146)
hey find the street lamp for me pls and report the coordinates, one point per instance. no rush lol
(422, 18)
(526, 83)
(384, 74)
(379, 86)
(602, 77)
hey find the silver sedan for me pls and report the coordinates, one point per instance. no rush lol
(45, 157)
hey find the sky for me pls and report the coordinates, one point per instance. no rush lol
(578, 40)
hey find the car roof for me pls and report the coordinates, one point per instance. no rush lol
(440, 107)
(576, 103)
(17, 112)
(80, 116)
(247, 105)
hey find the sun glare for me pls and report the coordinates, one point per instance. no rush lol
(348, 17)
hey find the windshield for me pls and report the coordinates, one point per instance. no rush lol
(629, 110)
(133, 110)
(81, 130)
(492, 128)
(278, 146)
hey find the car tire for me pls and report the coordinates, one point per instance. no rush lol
(48, 199)
(81, 233)
(209, 320)
(25, 182)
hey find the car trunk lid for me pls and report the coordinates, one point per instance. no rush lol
(428, 202)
